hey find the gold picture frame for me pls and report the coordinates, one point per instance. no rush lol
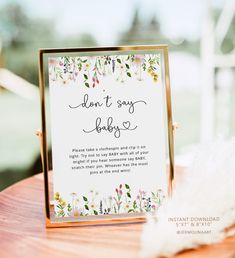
(43, 132)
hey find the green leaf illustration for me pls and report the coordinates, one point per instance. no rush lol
(128, 194)
(127, 186)
(86, 207)
(127, 66)
(87, 84)
(119, 61)
(69, 207)
(95, 212)
(128, 74)
(85, 76)
(134, 205)
(85, 199)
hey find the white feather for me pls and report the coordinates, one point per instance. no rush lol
(206, 191)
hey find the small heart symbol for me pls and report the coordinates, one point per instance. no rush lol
(126, 124)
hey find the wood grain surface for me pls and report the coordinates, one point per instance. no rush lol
(23, 232)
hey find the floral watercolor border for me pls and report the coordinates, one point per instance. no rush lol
(121, 202)
(89, 71)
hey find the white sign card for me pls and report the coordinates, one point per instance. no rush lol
(108, 133)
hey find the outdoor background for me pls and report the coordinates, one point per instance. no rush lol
(201, 39)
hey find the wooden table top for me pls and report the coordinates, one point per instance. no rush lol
(23, 232)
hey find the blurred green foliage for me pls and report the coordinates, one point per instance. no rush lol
(22, 36)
